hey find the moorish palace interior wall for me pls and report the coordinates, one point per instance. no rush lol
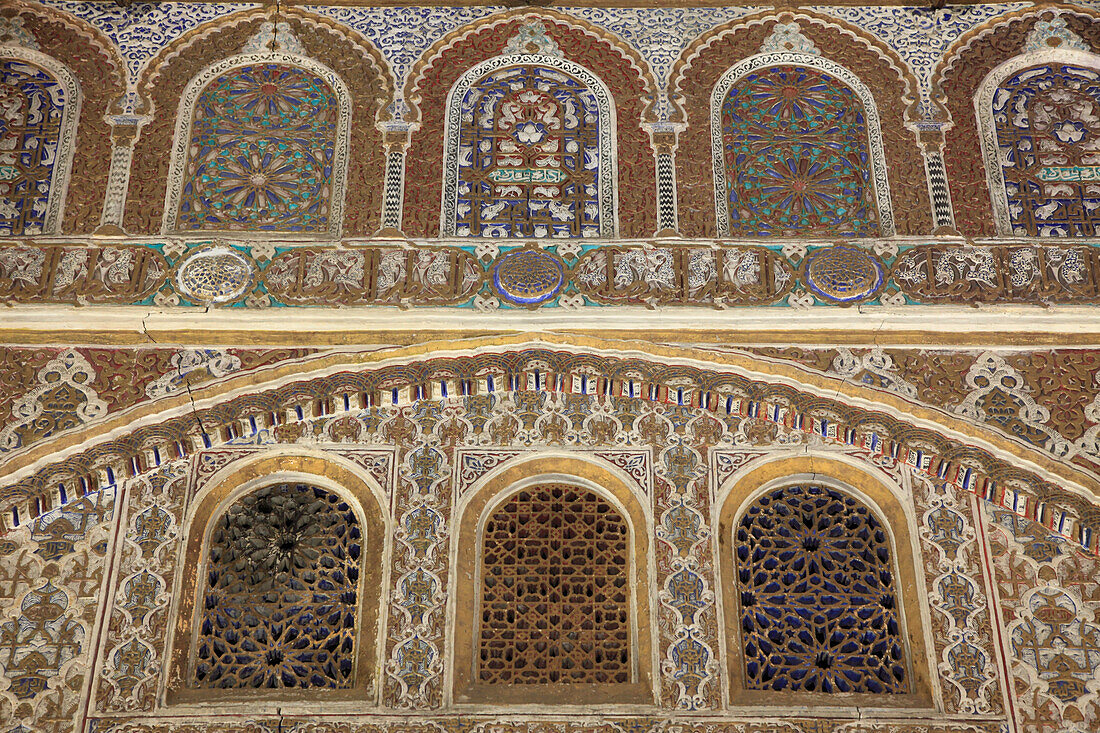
(547, 368)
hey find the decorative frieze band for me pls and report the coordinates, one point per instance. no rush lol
(454, 381)
(662, 273)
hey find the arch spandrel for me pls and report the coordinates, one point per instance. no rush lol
(618, 66)
(350, 57)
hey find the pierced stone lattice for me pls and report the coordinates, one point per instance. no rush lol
(528, 156)
(796, 156)
(262, 150)
(1048, 131)
(281, 592)
(818, 609)
(554, 593)
(31, 113)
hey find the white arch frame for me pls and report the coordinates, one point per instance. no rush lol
(185, 118)
(607, 181)
(879, 178)
(987, 129)
(66, 143)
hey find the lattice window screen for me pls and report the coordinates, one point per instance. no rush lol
(818, 607)
(281, 590)
(554, 594)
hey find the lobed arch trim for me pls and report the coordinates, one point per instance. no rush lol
(890, 503)
(879, 175)
(153, 68)
(470, 513)
(185, 119)
(94, 35)
(681, 68)
(439, 49)
(987, 128)
(220, 492)
(967, 40)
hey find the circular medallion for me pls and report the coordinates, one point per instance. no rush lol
(843, 274)
(214, 275)
(528, 276)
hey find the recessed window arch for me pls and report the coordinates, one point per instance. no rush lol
(1038, 122)
(819, 588)
(286, 569)
(559, 602)
(41, 100)
(797, 150)
(529, 152)
(261, 147)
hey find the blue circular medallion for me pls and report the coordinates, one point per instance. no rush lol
(844, 274)
(528, 276)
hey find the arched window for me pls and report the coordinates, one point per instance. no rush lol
(39, 108)
(818, 598)
(819, 579)
(529, 152)
(261, 146)
(552, 585)
(555, 590)
(280, 583)
(797, 151)
(1040, 121)
(281, 592)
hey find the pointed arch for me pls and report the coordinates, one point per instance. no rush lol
(100, 74)
(955, 85)
(340, 49)
(626, 76)
(878, 68)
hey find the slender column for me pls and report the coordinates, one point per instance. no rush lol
(931, 142)
(664, 143)
(396, 142)
(124, 133)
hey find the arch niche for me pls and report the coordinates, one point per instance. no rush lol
(620, 497)
(224, 490)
